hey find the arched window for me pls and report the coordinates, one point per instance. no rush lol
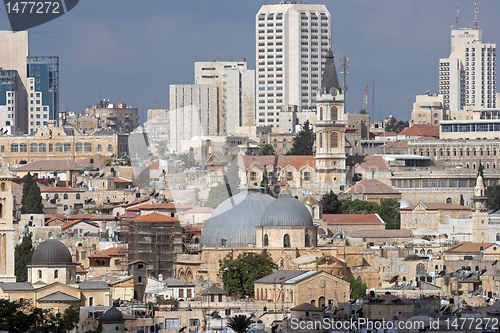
(334, 140)
(79, 147)
(284, 144)
(67, 147)
(23, 148)
(421, 267)
(498, 237)
(34, 148)
(56, 196)
(65, 207)
(91, 301)
(320, 113)
(333, 113)
(266, 240)
(59, 147)
(3, 187)
(275, 144)
(429, 251)
(78, 196)
(87, 146)
(42, 148)
(56, 274)
(39, 273)
(448, 200)
(307, 240)
(65, 196)
(321, 140)
(1, 210)
(286, 240)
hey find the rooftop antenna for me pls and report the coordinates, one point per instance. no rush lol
(458, 4)
(476, 13)
(344, 66)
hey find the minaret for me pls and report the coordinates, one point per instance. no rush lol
(330, 130)
(479, 213)
(7, 231)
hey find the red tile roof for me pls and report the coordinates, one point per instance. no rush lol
(121, 180)
(421, 130)
(73, 222)
(154, 218)
(128, 215)
(439, 206)
(99, 161)
(298, 162)
(192, 229)
(61, 189)
(133, 203)
(352, 219)
(469, 247)
(111, 252)
(386, 134)
(368, 162)
(372, 186)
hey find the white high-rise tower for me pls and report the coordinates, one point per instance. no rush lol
(468, 76)
(292, 43)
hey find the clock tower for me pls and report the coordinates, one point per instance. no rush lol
(330, 131)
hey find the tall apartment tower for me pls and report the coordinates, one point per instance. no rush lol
(468, 76)
(292, 43)
(236, 92)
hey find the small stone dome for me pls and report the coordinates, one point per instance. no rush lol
(310, 201)
(286, 212)
(51, 252)
(113, 316)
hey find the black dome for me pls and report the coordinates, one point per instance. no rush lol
(286, 212)
(51, 252)
(113, 316)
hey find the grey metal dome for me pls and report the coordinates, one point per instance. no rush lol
(113, 316)
(234, 221)
(51, 252)
(286, 212)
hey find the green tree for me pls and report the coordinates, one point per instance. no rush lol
(217, 195)
(161, 148)
(239, 323)
(267, 149)
(22, 254)
(462, 201)
(389, 212)
(358, 288)
(359, 207)
(493, 195)
(31, 203)
(187, 161)
(396, 126)
(265, 182)
(480, 171)
(239, 274)
(220, 192)
(331, 204)
(304, 141)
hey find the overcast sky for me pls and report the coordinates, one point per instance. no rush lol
(133, 49)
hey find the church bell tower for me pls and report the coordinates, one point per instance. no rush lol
(330, 130)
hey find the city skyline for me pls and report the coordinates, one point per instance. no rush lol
(119, 57)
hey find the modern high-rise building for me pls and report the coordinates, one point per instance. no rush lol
(292, 42)
(236, 92)
(35, 100)
(43, 91)
(468, 76)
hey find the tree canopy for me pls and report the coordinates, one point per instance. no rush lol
(22, 255)
(239, 274)
(331, 204)
(358, 288)
(21, 316)
(239, 323)
(31, 203)
(304, 141)
(396, 126)
(187, 161)
(267, 149)
(493, 195)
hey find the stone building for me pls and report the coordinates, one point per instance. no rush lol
(117, 117)
(431, 215)
(7, 226)
(60, 143)
(373, 190)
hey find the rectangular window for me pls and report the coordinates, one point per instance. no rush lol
(289, 175)
(307, 176)
(194, 322)
(189, 293)
(181, 293)
(67, 147)
(171, 323)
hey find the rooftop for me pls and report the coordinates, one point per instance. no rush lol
(51, 165)
(352, 219)
(372, 186)
(154, 218)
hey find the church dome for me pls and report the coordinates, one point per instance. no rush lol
(113, 316)
(286, 212)
(235, 220)
(51, 252)
(310, 201)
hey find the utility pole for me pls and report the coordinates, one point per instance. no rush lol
(344, 66)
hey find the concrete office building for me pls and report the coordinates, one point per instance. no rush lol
(428, 110)
(292, 42)
(468, 76)
(236, 92)
(193, 112)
